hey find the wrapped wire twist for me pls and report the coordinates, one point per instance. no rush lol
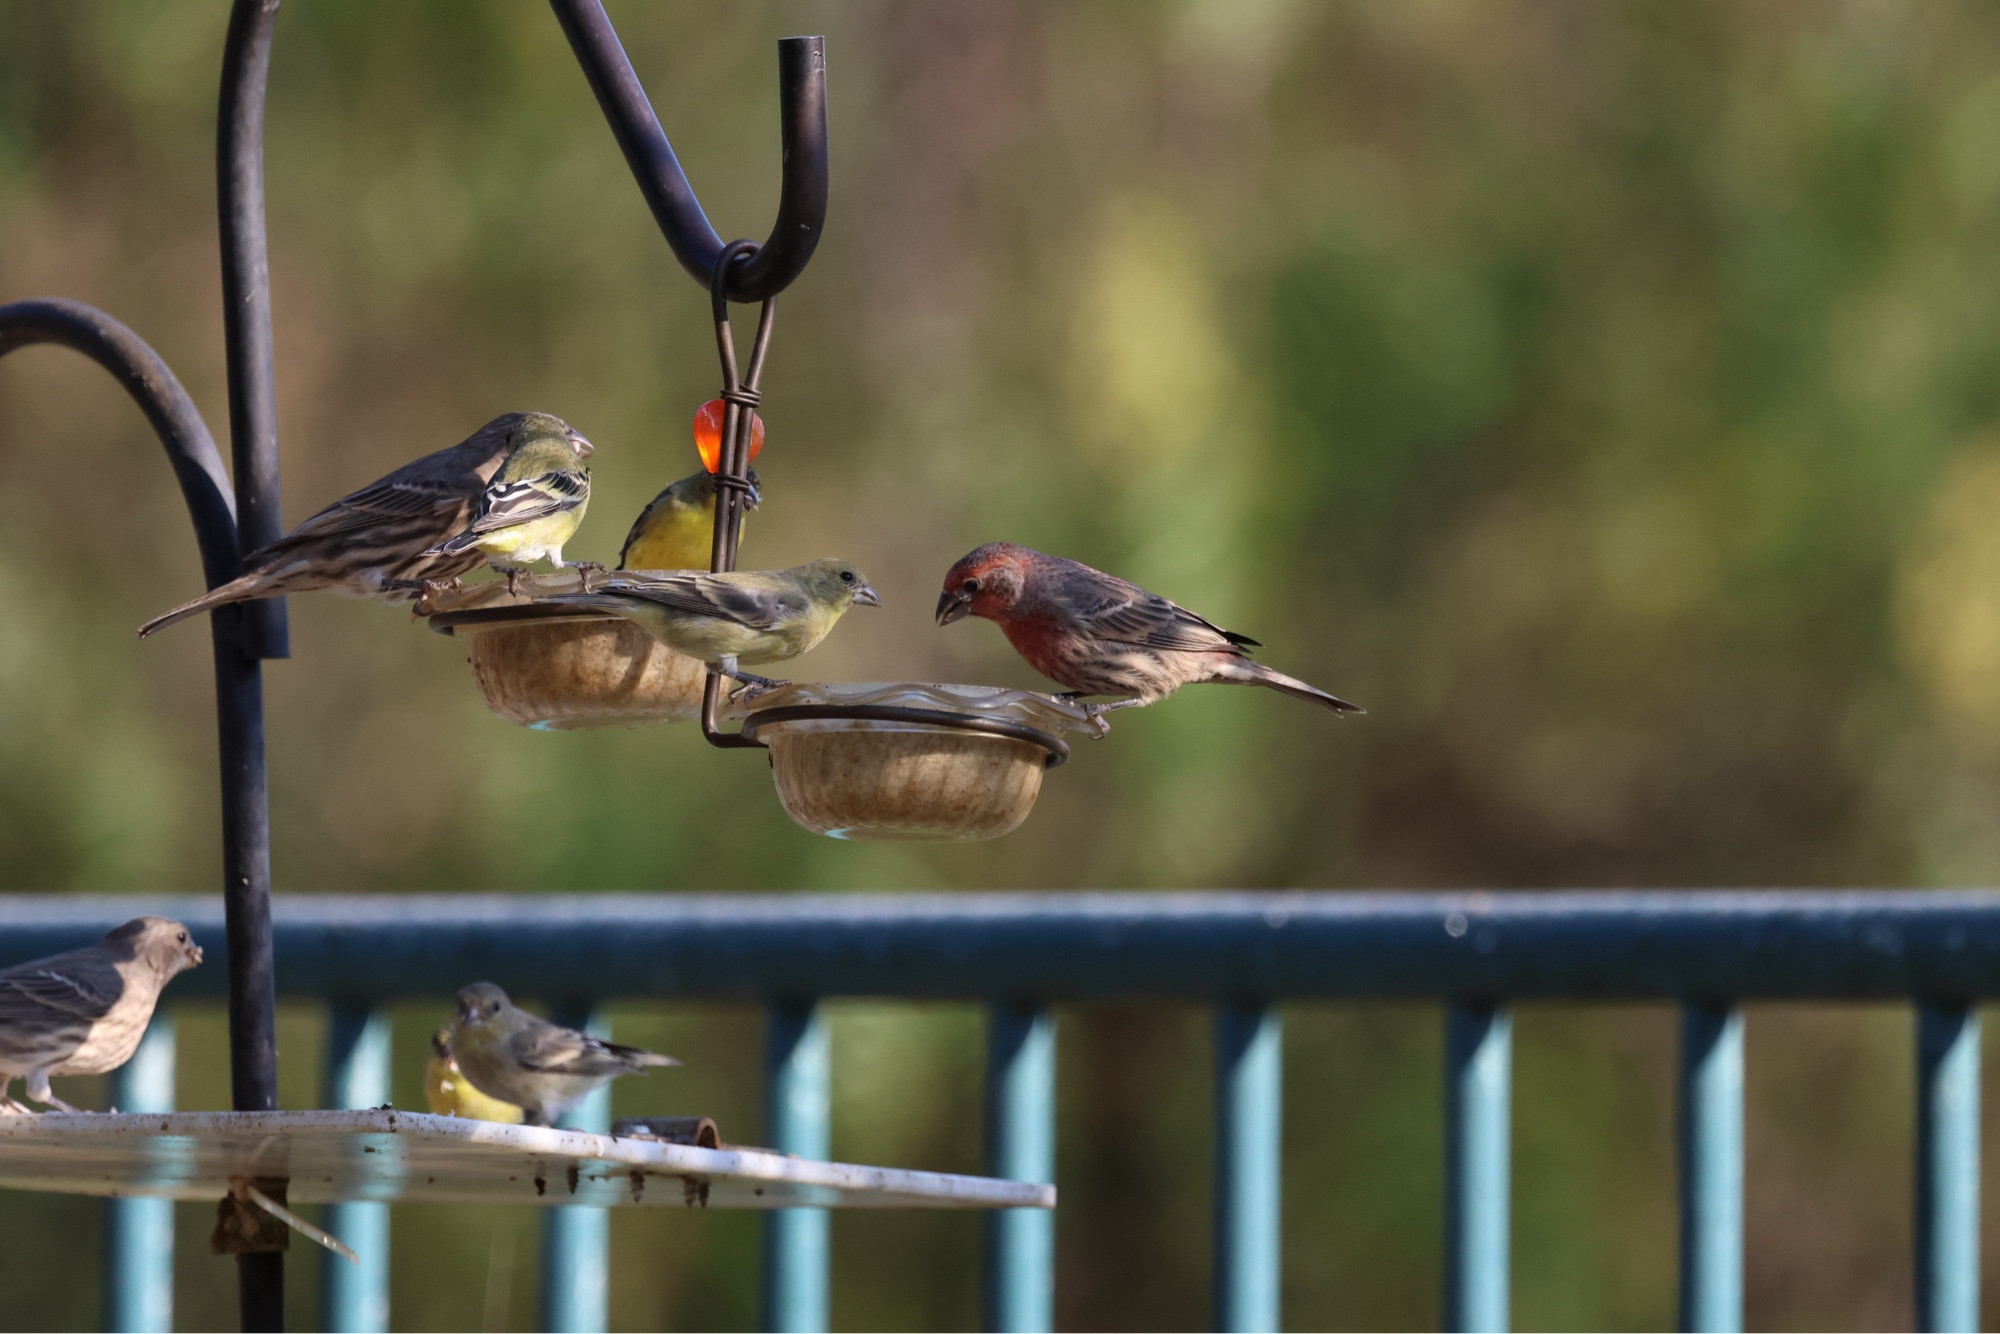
(732, 481)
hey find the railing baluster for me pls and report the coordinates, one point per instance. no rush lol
(1479, 1079)
(354, 1299)
(1249, 1167)
(139, 1233)
(576, 1242)
(798, 1096)
(1020, 1278)
(1947, 1194)
(1249, 1130)
(1710, 1131)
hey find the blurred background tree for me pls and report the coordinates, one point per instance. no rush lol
(1603, 395)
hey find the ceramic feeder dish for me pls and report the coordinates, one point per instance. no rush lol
(562, 669)
(909, 761)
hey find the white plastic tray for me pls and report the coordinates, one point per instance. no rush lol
(391, 1155)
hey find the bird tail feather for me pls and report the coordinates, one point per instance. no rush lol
(241, 589)
(1247, 671)
(601, 601)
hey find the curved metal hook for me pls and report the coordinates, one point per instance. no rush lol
(801, 198)
(239, 691)
(190, 448)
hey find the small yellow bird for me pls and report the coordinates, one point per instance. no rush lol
(745, 617)
(449, 1093)
(677, 530)
(540, 1067)
(534, 502)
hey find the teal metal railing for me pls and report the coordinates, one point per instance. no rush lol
(1244, 954)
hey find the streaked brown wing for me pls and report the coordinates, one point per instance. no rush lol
(442, 502)
(1131, 615)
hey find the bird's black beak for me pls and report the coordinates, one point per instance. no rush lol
(953, 606)
(866, 596)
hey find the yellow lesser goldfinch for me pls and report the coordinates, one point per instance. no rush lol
(83, 1013)
(534, 503)
(379, 541)
(677, 530)
(744, 618)
(540, 1067)
(449, 1093)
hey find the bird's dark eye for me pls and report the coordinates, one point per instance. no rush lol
(969, 586)
(847, 576)
(182, 937)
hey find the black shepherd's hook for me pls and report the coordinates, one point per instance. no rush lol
(801, 197)
(741, 271)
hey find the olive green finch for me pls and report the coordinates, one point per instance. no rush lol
(744, 618)
(523, 1059)
(534, 502)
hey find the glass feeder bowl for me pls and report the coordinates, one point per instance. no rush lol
(909, 761)
(562, 668)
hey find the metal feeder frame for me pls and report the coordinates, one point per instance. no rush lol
(231, 519)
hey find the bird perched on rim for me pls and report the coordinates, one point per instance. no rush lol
(1100, 635)
(540, 1067)
(83, 1013)
(379, 541)
(448, 1092)
(744, 618)
(677, 530)
(533, 504)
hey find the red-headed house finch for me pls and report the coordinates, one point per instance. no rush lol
(83, 1013)
(1099, 635)
(378, 541)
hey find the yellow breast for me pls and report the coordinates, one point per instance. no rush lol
(448, 1092)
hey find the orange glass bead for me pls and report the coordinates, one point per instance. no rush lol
(708, 419)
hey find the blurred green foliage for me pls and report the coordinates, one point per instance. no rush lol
(1603, 395)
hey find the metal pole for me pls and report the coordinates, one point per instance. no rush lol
(1020, 1275)
(1710, 1132)
(1249, 1128)
(1947, 1203)
(797, 1120)
(139, 1233)
(246, 303)
(576, 1242)
(1479, 1076)
(259, 628)
(354, 1299)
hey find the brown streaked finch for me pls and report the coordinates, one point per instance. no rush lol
(83, 1013)
(523, 1059)
(1100, 635)
(379, 541)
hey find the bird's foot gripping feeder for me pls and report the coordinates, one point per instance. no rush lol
(564, 669)
(908, 761)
